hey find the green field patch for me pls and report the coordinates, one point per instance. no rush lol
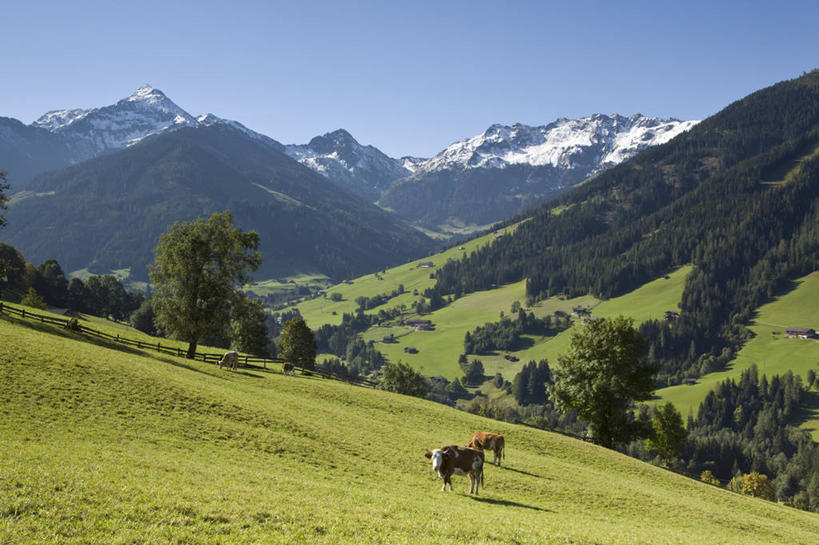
(414, 276)
(768, 349)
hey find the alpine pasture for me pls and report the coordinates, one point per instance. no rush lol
(102, 444)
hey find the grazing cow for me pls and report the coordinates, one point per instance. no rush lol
(455, 460)
(288, 369)
(489, 441)
(229, 360)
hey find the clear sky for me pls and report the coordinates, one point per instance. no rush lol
(409, 77)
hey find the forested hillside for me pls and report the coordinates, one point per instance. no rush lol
(736, 196)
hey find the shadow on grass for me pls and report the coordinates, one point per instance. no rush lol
(507, 503)
(809, 411)
(506, 468)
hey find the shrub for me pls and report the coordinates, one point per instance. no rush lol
(709, 478)
(32, 299)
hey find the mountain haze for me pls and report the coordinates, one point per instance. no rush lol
(107, 213)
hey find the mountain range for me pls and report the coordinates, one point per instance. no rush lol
(152, 164)
(85, 157)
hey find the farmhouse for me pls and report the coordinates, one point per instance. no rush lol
(388, 338)
(671, 315)
(799, 333)
(419, 325)
(581, 311)
(426, 265)
(410, 350)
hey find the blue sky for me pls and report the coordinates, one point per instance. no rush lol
(407, 77)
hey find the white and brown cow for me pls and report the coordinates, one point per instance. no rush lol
(489, 441)
(288, 368)
(455, 460)
(229, 360)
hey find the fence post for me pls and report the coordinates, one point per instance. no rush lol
(24, 313)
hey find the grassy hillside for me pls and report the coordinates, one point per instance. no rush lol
(769, 349)
(319, 311)
(438, 350)
(110, 446)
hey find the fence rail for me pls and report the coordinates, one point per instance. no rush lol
(247, 361)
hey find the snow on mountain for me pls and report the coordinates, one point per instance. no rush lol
(493, 175)
(146, 112)
(412, 163)
(598, 141)
(365, 170)
(211, 119)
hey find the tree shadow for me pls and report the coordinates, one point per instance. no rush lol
(507, 503)
(506, 468)
(809, 411)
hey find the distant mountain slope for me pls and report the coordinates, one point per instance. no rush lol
(493, 175)
(64, 137)
(364, 170)
(26, 151)
(107, 213)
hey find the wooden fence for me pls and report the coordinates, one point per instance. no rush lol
(247, 361)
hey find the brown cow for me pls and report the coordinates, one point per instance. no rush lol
(489, 441)
(457, 460)
(288, 369)
(229, 360)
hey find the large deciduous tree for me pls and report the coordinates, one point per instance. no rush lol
(198, 267)
(601, 378)
(297, 345)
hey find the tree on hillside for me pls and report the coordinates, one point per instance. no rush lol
(248, 332)
(197, 268)
(4, 186)
(403, 379)
(602, 377)
(297, 345)
(12, 267)
(143, 318)
(668, 432)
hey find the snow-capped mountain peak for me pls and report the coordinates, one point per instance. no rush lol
(595, 142)
(365, 170)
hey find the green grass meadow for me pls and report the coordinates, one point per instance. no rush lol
(438, 350)
(769, 350)
(101, 444)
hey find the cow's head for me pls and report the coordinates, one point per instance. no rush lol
(437, 457)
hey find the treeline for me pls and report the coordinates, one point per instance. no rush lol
(506, 334)
(99, 295)
(736, 197)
